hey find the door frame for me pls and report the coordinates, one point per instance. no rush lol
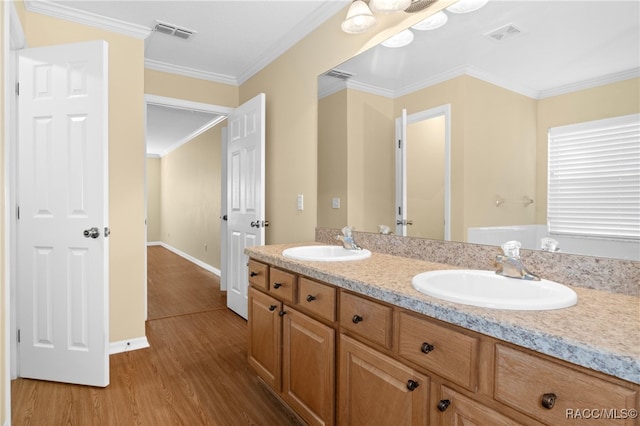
(14, 40)
(401, 123)
(224, 112)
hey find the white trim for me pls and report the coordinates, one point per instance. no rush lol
(128, 345)
(190, 72)
(594, 82)
(192, 135)
(87, 18)
(441, 110)
(197, 262)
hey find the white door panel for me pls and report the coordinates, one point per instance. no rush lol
(62, 191)
(245, 196)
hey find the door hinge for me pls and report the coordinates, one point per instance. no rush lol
(18, 212)
(399, 211)
(399, 143)
(18, 335)
(18, 89)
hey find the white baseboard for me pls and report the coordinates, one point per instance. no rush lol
(186, 256)
(128, 345)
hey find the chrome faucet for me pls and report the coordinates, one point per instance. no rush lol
(510, 265)
(347, 239)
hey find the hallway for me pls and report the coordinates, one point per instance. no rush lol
(194, 373)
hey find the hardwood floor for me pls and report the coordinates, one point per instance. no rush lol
(194, 373)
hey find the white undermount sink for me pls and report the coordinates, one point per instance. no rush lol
(325, 253)
(488, 290)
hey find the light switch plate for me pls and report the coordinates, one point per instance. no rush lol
(335, 203)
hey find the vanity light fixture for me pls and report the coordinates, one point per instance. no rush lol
(359, 18)
(466, 6)
(389, 6)
(401, 39)
(432, 22)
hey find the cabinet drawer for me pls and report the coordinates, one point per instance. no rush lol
(317, 298)
(457, 408)
(442, 350)
(258, 274)
(528, 383)
(369, 319)
(282, 284)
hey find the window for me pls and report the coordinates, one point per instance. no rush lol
(594, 179)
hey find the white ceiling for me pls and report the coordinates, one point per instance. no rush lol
(563, 46)
(563, 42)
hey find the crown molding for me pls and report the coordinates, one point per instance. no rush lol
(87, 18)
(591, 83)
(326, 10)
(190, 72)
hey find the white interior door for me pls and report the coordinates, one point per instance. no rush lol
(62, 227)
(245, 196)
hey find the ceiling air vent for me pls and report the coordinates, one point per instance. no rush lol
(503, 33)
(173, 30)
(342, 75)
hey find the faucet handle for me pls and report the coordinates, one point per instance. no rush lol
(511, 248)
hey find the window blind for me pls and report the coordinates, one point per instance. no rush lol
(594, 178)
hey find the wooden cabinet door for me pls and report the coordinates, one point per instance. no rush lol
(464, 411)
(377, 390)
(308, 362)
(265, 337)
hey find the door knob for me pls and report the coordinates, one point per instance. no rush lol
(91, 233)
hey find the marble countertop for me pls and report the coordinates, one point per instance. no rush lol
(601, 332)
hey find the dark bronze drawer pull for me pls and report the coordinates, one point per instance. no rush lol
(282, 313)
(426, 348)
(310, 298)
(443, 405)
(356, 319)
(412, 385)
(253, 274)
(272, 307)
(548, 400)
(277, 285)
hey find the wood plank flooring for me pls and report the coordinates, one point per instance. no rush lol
(194, 373)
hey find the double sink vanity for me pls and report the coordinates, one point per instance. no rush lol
(359, 341)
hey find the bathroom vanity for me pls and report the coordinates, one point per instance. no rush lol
(354, 343)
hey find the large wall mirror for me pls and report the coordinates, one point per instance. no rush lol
(508, 73)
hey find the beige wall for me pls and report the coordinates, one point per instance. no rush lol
(153, 199)
(607, 101)
(425, 178)
(332, 159)
(126, 164)
(190, 197)
(191, 89)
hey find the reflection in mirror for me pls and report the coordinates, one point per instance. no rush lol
(557, 63)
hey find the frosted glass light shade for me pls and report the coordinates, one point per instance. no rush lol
(399, 40)
(359, 18)
(389, 6)
(432, 22)
(466, 6)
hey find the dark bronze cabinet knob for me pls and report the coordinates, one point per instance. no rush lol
(412, 385)
(253, 274)
(277, 285)
(548, 400)
(272, 307)
(443, 405)
(282, 313)
(426, 348)
(356, 319)
(310, 298)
